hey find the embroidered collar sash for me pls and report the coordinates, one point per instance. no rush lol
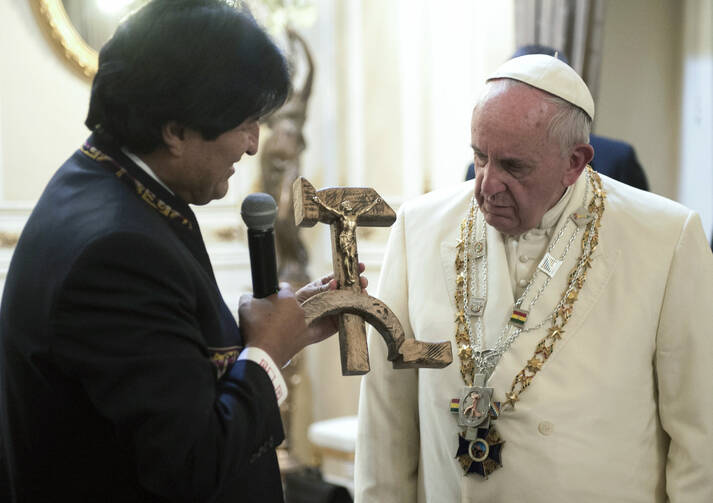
(176, 213)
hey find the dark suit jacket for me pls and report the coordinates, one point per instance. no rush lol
(613, 158)
(119, 380)
(617, 160)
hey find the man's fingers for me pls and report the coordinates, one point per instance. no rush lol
(323, 328)
(363, 281)
(315, 287)
(327, 283)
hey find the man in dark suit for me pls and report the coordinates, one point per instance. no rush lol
(617, 160)
(124, 376)
(613, 158)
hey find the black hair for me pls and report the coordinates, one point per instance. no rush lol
(540, 49)
(205, 64)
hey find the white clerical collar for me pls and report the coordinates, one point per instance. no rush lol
(141, 164)
(552, 216)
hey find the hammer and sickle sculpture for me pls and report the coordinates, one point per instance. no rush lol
(344, 209)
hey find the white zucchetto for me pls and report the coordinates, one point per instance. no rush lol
(551, 75)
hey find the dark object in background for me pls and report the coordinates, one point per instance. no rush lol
(617, 160)
(308, 486)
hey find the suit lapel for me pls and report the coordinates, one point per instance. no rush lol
(500, 300)
(500, 297)
(604, 262)
(154, 195)
(448, 259)
(545, 302)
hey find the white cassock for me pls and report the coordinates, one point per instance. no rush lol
(623, 408)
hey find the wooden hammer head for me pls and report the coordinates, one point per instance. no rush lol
(308, 212)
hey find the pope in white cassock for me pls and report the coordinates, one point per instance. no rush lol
(580, 310)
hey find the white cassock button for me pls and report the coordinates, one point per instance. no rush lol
(522, 282)
(545, 428)
(524, 258)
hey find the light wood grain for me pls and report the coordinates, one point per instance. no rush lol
(344, 209)
(402, 352)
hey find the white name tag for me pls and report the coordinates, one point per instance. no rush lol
(549, 265)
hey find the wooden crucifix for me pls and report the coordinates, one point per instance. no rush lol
(344, 209)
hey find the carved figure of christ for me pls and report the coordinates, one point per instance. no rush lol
(347, 233)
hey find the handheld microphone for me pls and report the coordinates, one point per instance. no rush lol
(259, 211)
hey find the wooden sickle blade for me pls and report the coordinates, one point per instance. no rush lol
(402, 352)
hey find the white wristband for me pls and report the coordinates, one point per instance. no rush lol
(260, 357)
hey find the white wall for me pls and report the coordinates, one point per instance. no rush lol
(42, 106)
(639, 94)
(656, 93)
(696, 154)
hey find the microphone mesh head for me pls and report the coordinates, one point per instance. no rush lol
(259, 211)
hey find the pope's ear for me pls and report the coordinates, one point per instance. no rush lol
(581, 155)
(174, 137)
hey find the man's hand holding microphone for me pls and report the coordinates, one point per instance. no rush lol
(271, 318)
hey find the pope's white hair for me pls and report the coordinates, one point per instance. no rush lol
(570, 125)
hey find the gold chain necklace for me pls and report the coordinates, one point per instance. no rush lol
(480, 445)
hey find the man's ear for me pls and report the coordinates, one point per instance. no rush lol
(174, 137)
(581, 155)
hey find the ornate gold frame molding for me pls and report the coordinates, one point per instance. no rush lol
(59, 27)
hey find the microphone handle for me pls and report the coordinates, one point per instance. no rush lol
(263, 266)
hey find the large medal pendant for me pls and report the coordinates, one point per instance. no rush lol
(479, 444)
(482, 454)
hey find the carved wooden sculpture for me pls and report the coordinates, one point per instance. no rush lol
(280, 164)
(345, 208)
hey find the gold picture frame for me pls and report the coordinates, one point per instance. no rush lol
(59, 27)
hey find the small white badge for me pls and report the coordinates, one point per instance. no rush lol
(549, 265)
(477, 306)
(581, 217)
(479, 250)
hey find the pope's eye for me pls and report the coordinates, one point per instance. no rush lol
(516, 169)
